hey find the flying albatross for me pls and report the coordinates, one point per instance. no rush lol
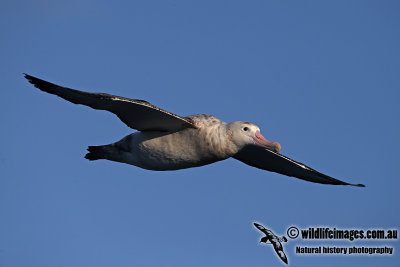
(166, 141)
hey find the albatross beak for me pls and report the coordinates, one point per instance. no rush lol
(260, 140)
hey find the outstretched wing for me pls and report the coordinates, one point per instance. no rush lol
(137, 114)
(265, 159)
(281, 254)
(261, 228)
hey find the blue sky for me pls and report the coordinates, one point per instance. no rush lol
(320, 77)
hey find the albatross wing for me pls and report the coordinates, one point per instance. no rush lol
(261, 228)
(137, 114)
(265, 159)
(281, 253)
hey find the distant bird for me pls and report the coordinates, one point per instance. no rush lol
(166, 141)
(274, 240)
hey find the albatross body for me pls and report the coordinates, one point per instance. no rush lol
(166, 141)
(161, 151)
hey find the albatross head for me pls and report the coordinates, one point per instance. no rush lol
(245, 133)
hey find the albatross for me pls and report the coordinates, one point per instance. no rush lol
(165, 141)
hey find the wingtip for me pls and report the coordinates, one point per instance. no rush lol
(29, 78)
(359, 185)
(39, 83)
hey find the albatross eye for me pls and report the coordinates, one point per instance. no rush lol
(245, 129)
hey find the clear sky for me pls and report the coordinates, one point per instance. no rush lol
(320, 77)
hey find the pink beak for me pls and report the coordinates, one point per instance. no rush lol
(260, 140)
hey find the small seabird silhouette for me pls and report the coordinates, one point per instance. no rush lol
(166, 141)
(274, 240)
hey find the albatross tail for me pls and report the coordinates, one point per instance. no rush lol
(97, 152)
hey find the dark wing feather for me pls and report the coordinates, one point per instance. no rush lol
(265, 159)
(261, 228)
(281, 253)
(137, 114)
